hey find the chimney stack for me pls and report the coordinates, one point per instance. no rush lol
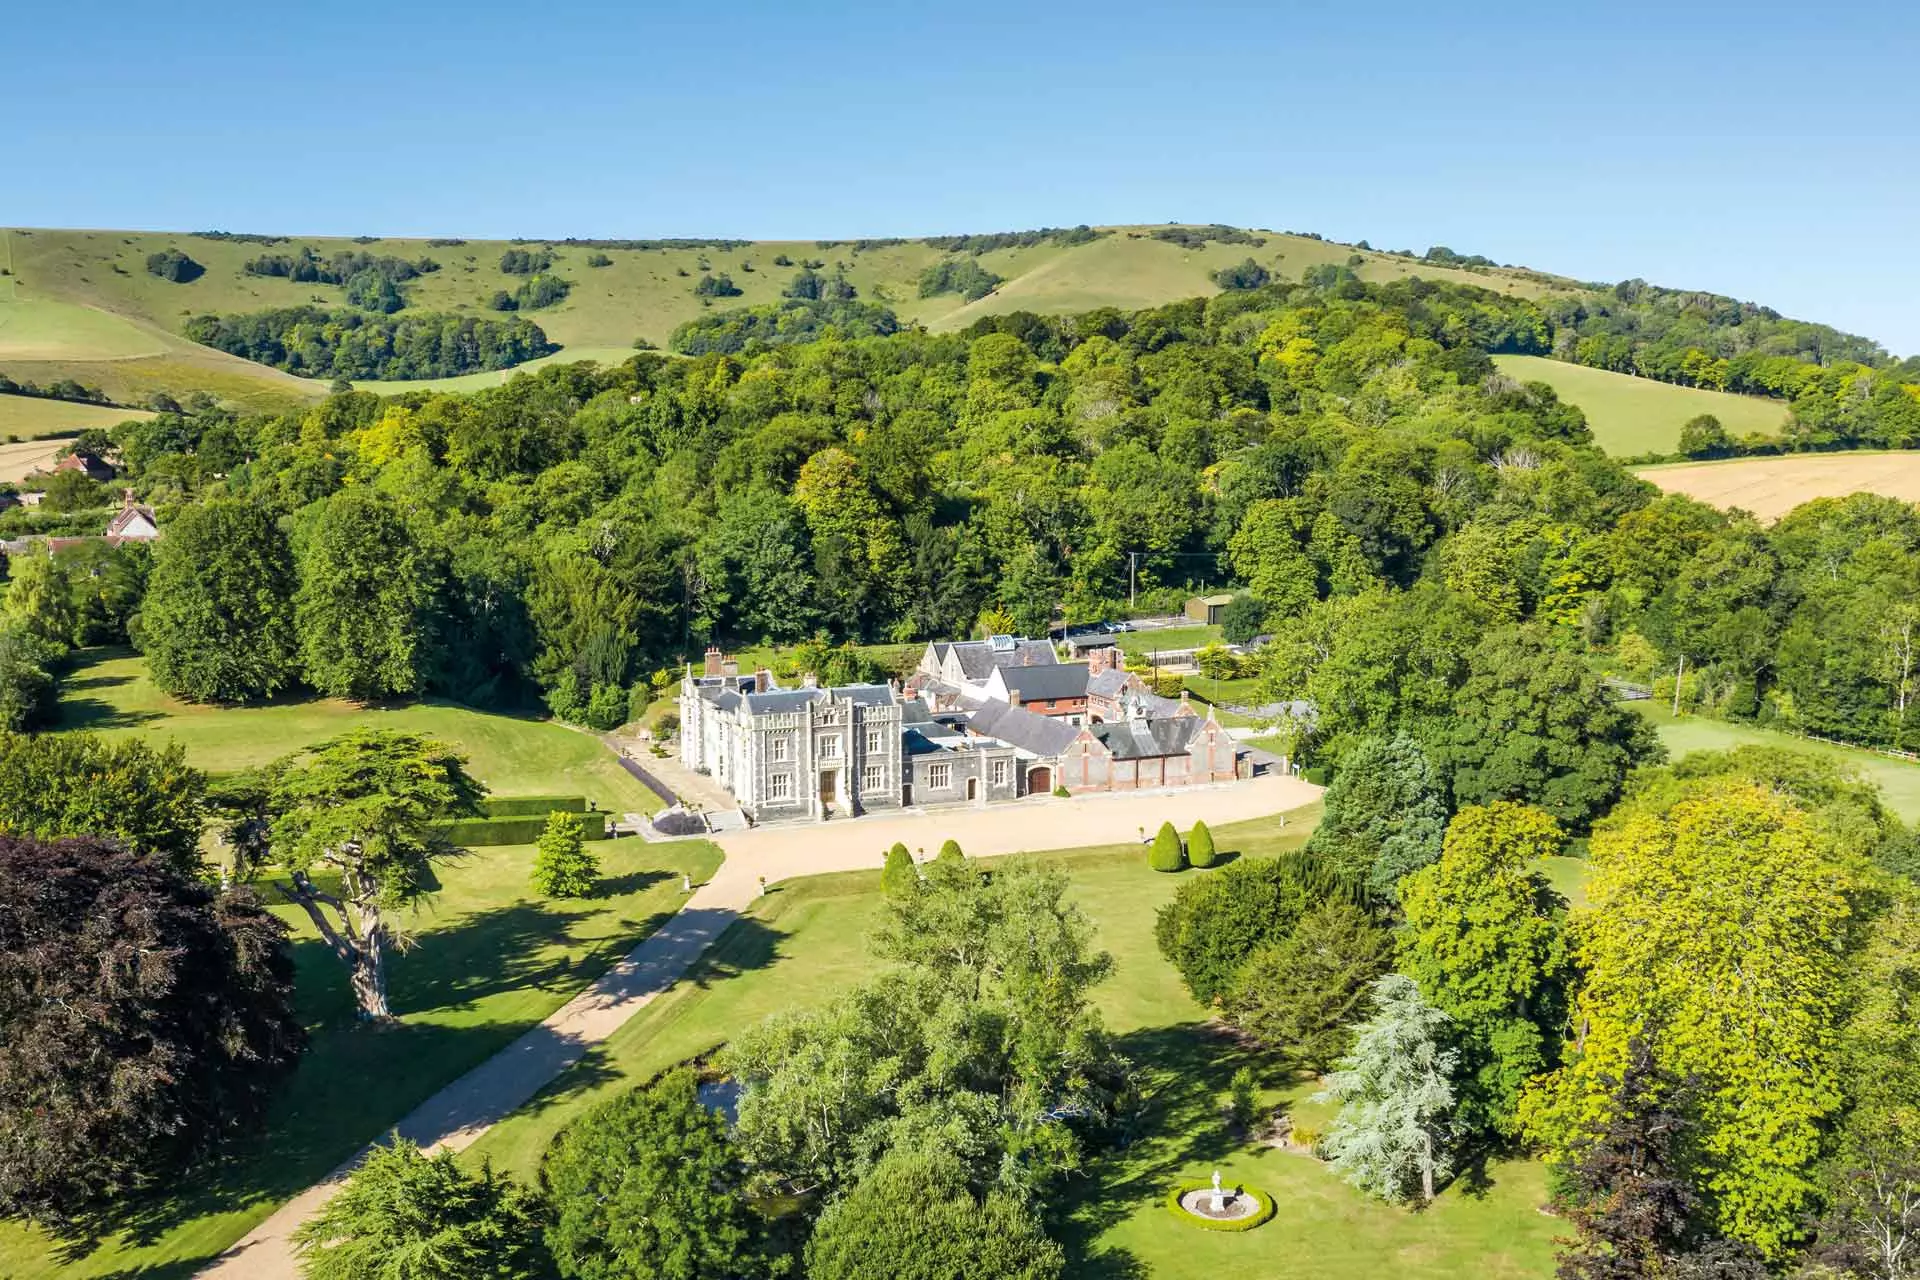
(1104, 658)
(713, 667)
(762, 680)
(1013, 697)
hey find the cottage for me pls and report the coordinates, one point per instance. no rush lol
(90, 465)
(972, 662)
(132, 523)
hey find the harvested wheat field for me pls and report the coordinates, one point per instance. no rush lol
(1771, 487)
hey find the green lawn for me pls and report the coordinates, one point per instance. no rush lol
(1632, 416)
(1145, 642)
(1899, 780)
(490, 960)
(109, 691)
(804, 941)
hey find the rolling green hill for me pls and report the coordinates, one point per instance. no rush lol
(1632, 416)
(82, 305)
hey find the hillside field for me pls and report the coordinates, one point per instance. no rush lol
(81, 304)
(33, 418)
(1633, 416)
(1771, 487)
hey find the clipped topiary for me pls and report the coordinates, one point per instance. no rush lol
(950, 852)
(1200, 850)
(899, 876)
(1167, 854)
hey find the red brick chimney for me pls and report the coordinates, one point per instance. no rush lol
(1106, 658)
(713, 660)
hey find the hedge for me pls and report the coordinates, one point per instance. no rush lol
(526, 806)
(468, 832)
(1259, 1216)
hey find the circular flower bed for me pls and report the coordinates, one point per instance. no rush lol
(1263, 1206)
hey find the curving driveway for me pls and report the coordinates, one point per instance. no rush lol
(454, 1118)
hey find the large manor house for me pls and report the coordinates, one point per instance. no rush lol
(978, 721)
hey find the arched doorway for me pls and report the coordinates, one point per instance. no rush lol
(1039, 780)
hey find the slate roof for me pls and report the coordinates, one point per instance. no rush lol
(978, 658)
(783, 701)
(1041, 735)
(1060, 680)
(127, 515)
(1144, 739)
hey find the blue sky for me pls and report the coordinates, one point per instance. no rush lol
(1762, 150)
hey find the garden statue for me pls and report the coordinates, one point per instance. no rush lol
(1219, 1196)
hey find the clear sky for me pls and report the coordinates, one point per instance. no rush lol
(1766, 150)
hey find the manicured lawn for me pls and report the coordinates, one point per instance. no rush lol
(1899, 780)
(805, 941)
(1146, 642)
(489, 960)
(110, 692)
(1631, 416)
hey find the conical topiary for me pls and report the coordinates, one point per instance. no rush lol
(1200, 850)
(1167, 854)
(950, 851)
(899, 876)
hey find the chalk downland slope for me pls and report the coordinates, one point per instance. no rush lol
(1633, 416)
(82, 305)
(1771, 487)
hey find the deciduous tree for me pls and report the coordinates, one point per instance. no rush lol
(217, 624)
(147, 1019)
(364, 600)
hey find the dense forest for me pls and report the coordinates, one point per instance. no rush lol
(1347, 452)
(318, 343)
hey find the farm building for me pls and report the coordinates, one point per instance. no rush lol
(1208, 609)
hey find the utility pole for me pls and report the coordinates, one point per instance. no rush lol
(1677, 679)
(1133, 594)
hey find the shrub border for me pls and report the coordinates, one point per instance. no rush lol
(1259, 1218)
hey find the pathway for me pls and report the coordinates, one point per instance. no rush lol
(454, 1118)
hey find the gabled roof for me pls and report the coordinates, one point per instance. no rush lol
(127, 515)
(1144, 739)
(978, 658)
(1041, 735)
(1058, 680)
(783, 701)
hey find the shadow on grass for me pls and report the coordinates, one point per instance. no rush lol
(95, 714)
(632, 882)
(1185, 1070)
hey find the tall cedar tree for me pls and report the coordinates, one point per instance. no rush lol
(218, 619)
(364, 808)
(144, 798)
(407, 1216)
(648, 1185)
(363, 608)
(1394, 1135)
(147, 1019)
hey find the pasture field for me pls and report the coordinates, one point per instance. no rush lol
(81, 303)
(109, 692)
(33, 418)
(489, 960)
(1771, 487)
(1633, 416)
(806, 936)
(1899, 780)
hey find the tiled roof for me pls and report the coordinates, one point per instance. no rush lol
(978, 658)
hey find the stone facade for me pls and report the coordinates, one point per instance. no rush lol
(795, 753)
